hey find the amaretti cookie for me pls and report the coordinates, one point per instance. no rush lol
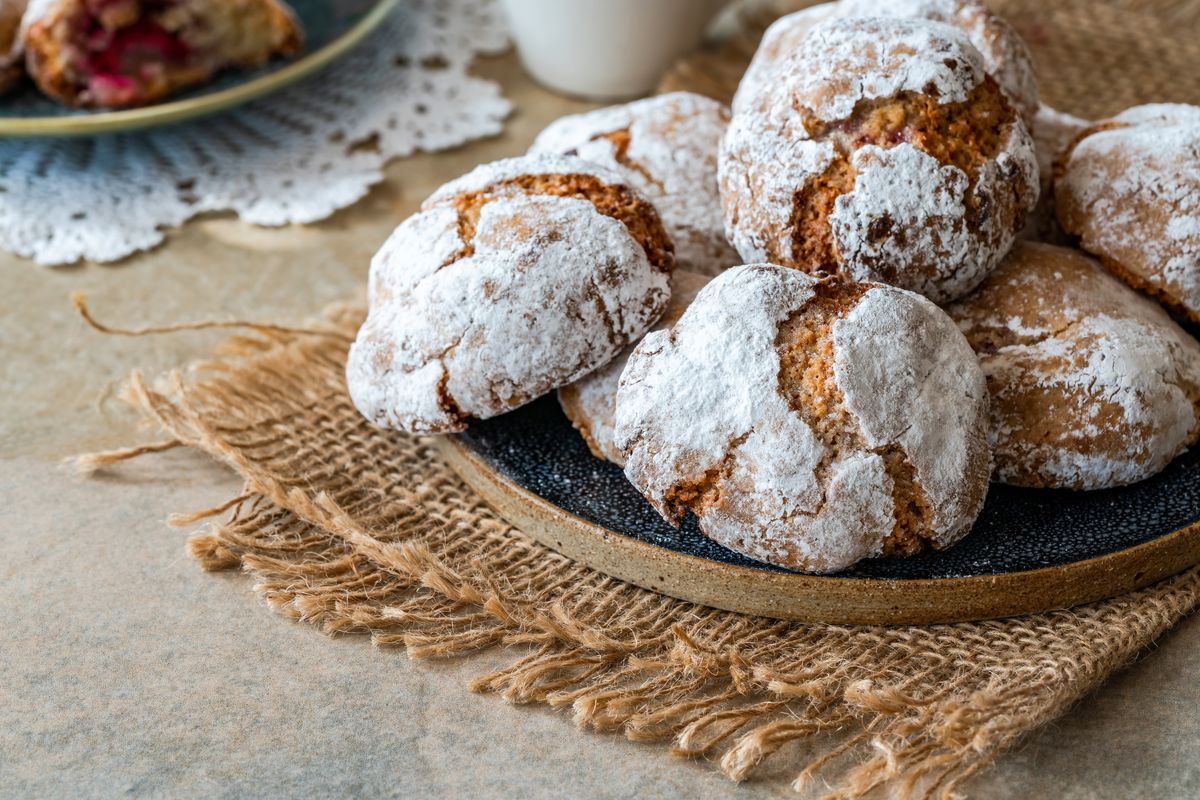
(808, 422)
(1129, 187)
(1092, 385)
(885, 153)
(517, 278)
(666, 147)
(120, 53)
(1006, 57)
(781, 38)
(591, 402)
(1053, 133)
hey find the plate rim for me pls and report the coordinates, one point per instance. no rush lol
(820, 598)
(174, 111)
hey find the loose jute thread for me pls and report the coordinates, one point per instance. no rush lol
(361, 531)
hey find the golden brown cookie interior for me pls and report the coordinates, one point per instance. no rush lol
(965, 135)
(612, 200)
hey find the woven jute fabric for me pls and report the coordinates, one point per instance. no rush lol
(359, 530)
(362, 531)
(1094, 58)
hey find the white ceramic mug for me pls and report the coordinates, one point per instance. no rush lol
(605, 49)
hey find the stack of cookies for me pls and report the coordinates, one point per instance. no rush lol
(823, 320)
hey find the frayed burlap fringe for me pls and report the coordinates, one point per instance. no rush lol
(358, 530)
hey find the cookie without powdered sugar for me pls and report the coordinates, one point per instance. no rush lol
(808, 422)
(1006, 57)
(1053, 133)
(666, 147)
(884, 153)
(12, 48)
(519, 277)
(591, 402)
(1129, 187)
(1092, 384)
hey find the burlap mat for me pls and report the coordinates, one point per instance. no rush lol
(1094, 57)
(357, 530)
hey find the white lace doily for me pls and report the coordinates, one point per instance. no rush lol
(294, 157)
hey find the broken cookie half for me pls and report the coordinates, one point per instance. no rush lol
(126, 53)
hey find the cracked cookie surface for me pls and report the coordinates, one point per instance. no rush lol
(1006, 57)
(517, 278)
(883, 152)
(666, 147)
(1129, 187)
(808, 422)
(1092, 385)
(591, 402)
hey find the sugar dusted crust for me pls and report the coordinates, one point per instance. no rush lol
(123, 53)
(779, 40)
(591, 402)
(885, 153)
(1092, 385)
(1005, 55)
(846, 61)
(808, 422)
(514, 280)
(1129, 187)
(666, 147)
(506, 169)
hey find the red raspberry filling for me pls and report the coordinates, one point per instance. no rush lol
(122, 62)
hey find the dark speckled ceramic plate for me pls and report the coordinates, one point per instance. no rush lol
(331, 28)
(1031, 550)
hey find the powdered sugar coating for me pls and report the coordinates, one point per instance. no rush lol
(845, 61)
(36, 10)
(507, 169)
(927, 200)
(1053, 132)
(763, 163)
(1092, 385)
(547, 290)
(703, 402)
(781, 38)
(668, 152)
(1006, 57)
(1005, 54)
(1130, 188)
(903, 221)
(910, 379)
(591, 402)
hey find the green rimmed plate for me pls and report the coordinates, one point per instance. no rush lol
(331, 28)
